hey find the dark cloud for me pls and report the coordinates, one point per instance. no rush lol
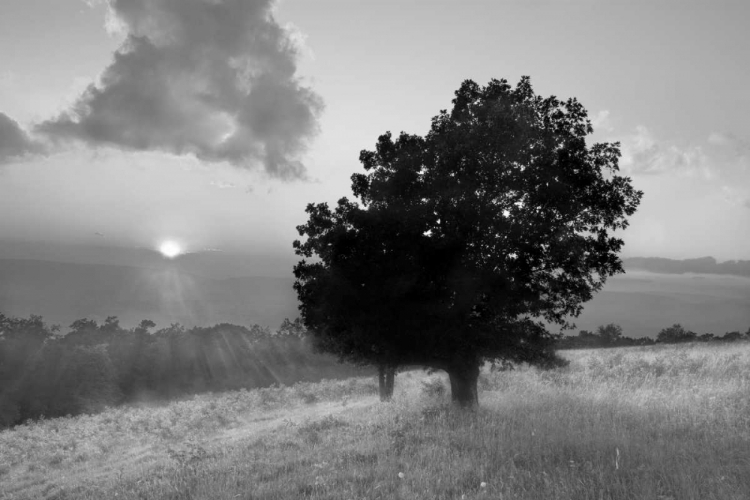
(15, 143)
(215, 78)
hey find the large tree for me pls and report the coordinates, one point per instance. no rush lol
(469, 242)
(360, 291)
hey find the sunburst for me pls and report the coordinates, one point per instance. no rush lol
(170, 249)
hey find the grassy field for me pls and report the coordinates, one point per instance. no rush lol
(664, 422)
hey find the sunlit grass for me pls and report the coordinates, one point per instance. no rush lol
(664, 422)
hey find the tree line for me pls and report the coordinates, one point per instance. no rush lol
(611, 335)
(45, 373)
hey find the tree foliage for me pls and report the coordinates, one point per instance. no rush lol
(95, 366)
(674, 334)
(610, 333)
(467, 241)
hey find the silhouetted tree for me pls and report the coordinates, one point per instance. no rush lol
(21, 339)
(609, 334)
(292, 328)
(144, 326)
(386, 380)
(674, 334)
(368, 290)
(83, 325)
(467, 239)
(88, 382)
(111, 325)
(732, 336)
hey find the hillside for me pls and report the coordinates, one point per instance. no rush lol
(663, 422)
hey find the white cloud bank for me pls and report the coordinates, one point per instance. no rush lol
(213, 78)
(643, 154)
(697, 195)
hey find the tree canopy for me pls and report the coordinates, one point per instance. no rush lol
(468, 242)
(676, 333)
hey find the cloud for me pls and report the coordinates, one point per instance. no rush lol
(736, 197)
(718, 166)
(15, 142)
(213, 78)
(718, 139)
(731, 142)
(643, 154)
(222, 184)
(601, 121)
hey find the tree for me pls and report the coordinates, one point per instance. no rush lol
(365, 287)
(468, 241)
(144, 326)
(20, 340)
(732, 336)
(706, 337)
(111, 325)
(674, 334)
(88, 382)
(609, 334)
(293, 329)
(386, 380)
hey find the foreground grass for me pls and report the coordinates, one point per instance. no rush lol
(664, 422)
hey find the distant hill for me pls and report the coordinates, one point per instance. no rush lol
(703, 265)
(62, 292)
(643, 303)
(208, 263)
(65, 283)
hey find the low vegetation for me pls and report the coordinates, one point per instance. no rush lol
(658, 422)
(45, 374)
(611, 335)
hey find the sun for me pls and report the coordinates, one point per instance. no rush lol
(170, 249)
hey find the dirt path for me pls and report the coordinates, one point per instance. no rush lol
(140, 461)
(254, 428)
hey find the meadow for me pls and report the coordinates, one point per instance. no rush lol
(665, 422)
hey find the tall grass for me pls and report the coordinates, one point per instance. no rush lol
(662, 422)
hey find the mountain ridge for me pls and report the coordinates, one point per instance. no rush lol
(701, 265)
(203, 289)
(62, 292)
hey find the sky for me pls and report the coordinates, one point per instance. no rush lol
(214, 123)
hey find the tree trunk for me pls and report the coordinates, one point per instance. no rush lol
(386, 380)
(464, 379)
(390, 380)
(381, 382)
